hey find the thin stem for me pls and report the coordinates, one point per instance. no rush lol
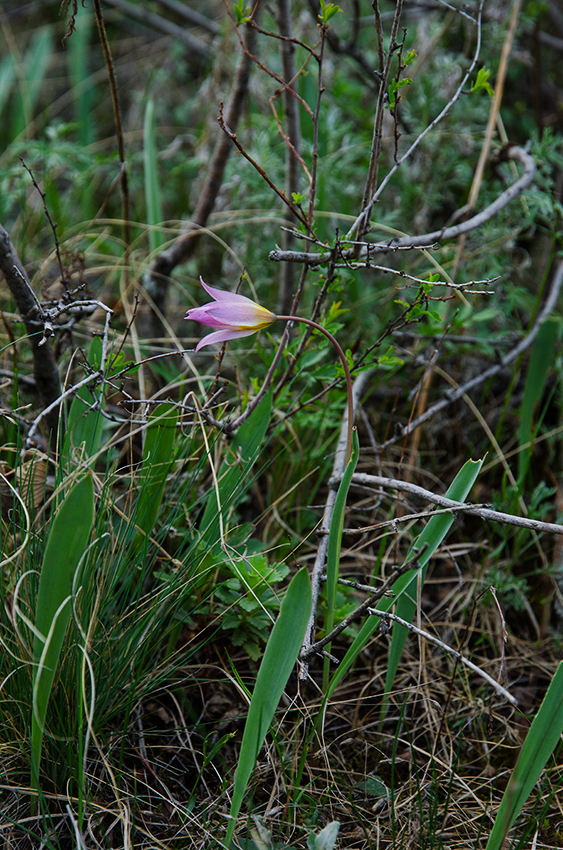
(342, 356)
(118, 134)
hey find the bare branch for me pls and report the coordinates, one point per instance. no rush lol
(370, 249)
(156, 281)
(449, 649)
(160, 24)
(484, 513)
(359, 226)
(361, 610)
(454, 395)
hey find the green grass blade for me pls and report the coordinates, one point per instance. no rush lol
(35, 66)
(431, 537)
(158, 456)
(233, 476)
(542, 738)
(333, 548)
(84, 425)
(468, 473)
(68, 539)
(152, 184)
(78, 53)
(279, 658)
(7, 79)
(541, 361)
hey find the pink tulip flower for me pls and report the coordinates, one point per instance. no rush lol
(233, 315)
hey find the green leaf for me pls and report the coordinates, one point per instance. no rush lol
(433, 534)
(152, 182)
(242, 15)
(325, 839)
(234, 475)
(541, 740)
(158, 457)
(333, 548)
(279, 658)
(481, 83)
(84, 425)
(541, 361)
(66, 545)
(394, 87)
(328, 11)
(431, 537)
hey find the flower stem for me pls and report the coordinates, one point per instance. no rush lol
(342, 356)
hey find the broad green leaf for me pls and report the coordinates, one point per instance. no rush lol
(431, 537)
(84, 425)
(333, 548)
(152, 184)
(66, 545)
(542, 739)
(234, 474)
(404, 584)
(158, 457)
(541, 361)
(279, 659)
(325, 839)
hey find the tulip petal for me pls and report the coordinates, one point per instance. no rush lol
(221, 336)
(222, 295)
(232, 315)
(220, 314)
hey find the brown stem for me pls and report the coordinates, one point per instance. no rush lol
(118, 133)
(373, 169)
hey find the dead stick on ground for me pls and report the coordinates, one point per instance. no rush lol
(385, 615)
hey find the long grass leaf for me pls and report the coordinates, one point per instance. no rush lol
(66, 545)
(427, 543)
(152, 183)
(78, 52)
(158, 456)
(234, 474)
(468, 473)
(37, 59)
(333, 548)
(542, 738)
(543, 355)
(84, 424)
(279, 658)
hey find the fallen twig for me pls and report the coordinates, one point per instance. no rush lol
(385, 615)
